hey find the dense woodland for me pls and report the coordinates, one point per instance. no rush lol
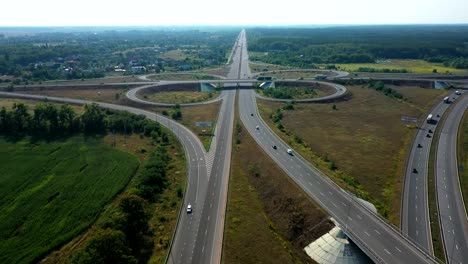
(303, 47)
(48, 55)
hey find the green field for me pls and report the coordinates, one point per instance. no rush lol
(182, 97)
(463, 157)
(415, 66)
(52, 191)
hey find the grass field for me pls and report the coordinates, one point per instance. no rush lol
(201, 113)
(52, 191)
(296, 91)
(9, 102)
(182, 76)
(263, 205)
(363, 137)
(182, 97)
(415, 66)
(463, 157)
(292, 74)
(260, 66)
(99, 95)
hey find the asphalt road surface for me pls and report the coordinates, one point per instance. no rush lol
(452, 214)
(370, 232)
(415, 208)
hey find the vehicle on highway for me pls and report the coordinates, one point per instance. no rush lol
(446, 99)
(189, 208)
(457, 92)
(289, 151)
(427, 135)
(257, 127)
(274, 147)
(415, 170)
(419, 145)
(251, 114)
(429, 119)
(430, 130)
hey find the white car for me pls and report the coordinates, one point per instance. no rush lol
(189, 208)
(257, 127)
(457, 92)
(289, 151)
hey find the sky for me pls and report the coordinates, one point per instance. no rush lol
(222, 12)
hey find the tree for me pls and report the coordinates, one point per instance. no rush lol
(107, 246)
(93, 119)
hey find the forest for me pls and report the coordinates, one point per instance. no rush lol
(303, 47)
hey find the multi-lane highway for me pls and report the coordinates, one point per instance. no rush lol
(452, 214)
(415, 221)
(371, 233)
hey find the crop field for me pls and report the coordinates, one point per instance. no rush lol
(263, 204)
(52, 191)
(181, 97)
(415, 66)
(360, 141)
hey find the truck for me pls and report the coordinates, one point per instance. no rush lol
(429, 119)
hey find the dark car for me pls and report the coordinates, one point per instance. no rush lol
(419, 146)
(415, 171)
(427, 135)
(251, 114)
(274, 147)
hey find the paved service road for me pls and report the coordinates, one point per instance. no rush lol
(370, 232)
(415, 208)
(452, 214)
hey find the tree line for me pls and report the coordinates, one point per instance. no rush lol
(303, 47)
(49, 121)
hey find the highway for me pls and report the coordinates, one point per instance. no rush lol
(369, 231)
(452, 214)
(415, 221)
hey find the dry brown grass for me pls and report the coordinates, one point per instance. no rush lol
(201, 113)
(263, 203)
(364, 137)
(99, 95)
(31, 104)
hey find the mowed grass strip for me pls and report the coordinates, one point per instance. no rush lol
(269, 218)
(463, 157)
(52, 191)
(362, 138)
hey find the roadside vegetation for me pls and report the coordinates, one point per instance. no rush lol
(201, 113)
(82, 168)
(181, 97)
(463, 157)
(182, 76)
(266, 211)
(291, 74)
(367, 131)
(292, 90)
